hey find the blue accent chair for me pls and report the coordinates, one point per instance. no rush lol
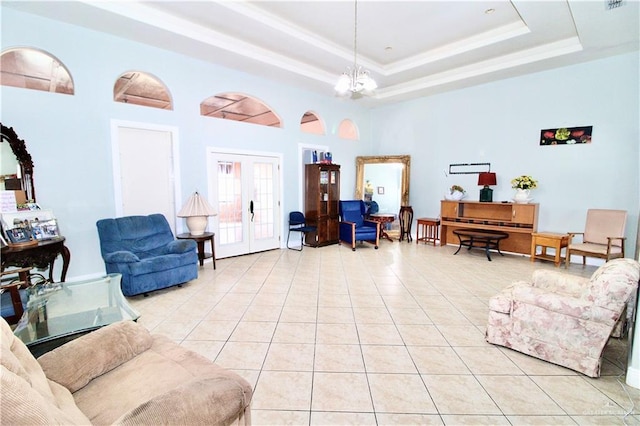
(144, 250)
(353, 225)
(298, 223)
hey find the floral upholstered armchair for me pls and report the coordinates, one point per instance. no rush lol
(561, 318)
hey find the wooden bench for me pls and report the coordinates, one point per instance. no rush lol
(480, 238)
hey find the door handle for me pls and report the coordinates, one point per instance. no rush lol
(251, 209)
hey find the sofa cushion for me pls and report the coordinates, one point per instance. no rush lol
(76, 363)
(160, 369)
(27, 396)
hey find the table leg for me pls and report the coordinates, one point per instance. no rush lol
(213, 252)
(201, 252)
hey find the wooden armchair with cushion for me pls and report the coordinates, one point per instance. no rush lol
(603, 236)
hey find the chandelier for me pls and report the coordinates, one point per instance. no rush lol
(355, 81)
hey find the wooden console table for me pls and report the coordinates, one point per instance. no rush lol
(519, 221)
(41, 256)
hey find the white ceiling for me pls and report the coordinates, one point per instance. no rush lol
(411, 48)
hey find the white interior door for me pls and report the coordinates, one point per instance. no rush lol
(144, 159)
(245, 192)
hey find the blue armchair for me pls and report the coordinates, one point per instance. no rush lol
(353, 225)
(144, 250)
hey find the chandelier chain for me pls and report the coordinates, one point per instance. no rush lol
(355, 36)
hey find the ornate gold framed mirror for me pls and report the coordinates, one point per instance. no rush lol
(397, 160)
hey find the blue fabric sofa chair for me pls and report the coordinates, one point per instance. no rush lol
(353, 225)
(144, 250)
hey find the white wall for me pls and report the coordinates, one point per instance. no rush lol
(500, 123)
(69, 137)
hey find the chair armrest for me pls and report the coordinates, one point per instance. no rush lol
(610, 241)
(573, 234)
(76, 363)
(180, 246)
(347, 226)
(371, 223)
(564, 305)
(558, 282)
(212, 401)
(121, 256)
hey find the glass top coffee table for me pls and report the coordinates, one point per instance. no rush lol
(58, 314)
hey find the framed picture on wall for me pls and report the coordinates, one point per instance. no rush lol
(381, 190)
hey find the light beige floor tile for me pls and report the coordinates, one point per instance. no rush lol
(335, 315)
(606, 420)
(250, 376)
(321, 418)
(372, 316)
(540, 420)
(536, 367)
(421, 335)
(388, 359)
(253, 331)
(302, 299)
(400, 393)
(299, 314)
(519, 395)
(290, 357)
(473, 420)
(283, 390)
(175, 329)
(262, 313)
(243, 355)
(616, 389)
(385, 419)
(378, 334)
(486, 360)
(212, 330)
(339, 358)
(337, 334)
(459, 394)
(437, 360)
(295, 332)
(341, 392)
(279, 417)
(207, 348)
(576, 396)
(409, 316)
(463, 335)
(440, 316)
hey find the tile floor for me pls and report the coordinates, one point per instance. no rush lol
(328, 336)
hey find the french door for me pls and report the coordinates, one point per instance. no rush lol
(244, 189)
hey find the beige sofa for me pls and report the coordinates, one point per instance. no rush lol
(562, 318)
(119, 374)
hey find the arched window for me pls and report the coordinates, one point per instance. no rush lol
(348, 130)
(238, 107)
(311, 123)
(141, 88)
(34, 69)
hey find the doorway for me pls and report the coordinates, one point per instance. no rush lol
(245, 191)
(145, 163)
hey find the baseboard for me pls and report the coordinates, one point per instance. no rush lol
(633, 377)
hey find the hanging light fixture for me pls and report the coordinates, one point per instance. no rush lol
(355, 81)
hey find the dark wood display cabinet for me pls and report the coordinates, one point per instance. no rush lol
(322, 193)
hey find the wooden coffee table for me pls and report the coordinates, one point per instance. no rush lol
(480, 238)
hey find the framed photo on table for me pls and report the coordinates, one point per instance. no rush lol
(45, 229)
(18, 235)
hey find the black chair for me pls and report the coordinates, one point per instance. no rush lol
(297, 223)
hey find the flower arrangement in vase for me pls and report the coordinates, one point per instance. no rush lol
(523, 186)
(456, 192)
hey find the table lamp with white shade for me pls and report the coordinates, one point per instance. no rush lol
(197, 210)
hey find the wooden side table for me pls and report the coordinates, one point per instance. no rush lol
(406, 220)
(428, 230)
(200, 239)
(548, 240)
(41, 255)
(383, 219)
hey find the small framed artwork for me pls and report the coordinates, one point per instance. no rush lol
(381, 190)
(45, 229)
(19, 235)
(566, 136)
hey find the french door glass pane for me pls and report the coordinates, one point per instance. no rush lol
(230, 202)
(263, 221)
